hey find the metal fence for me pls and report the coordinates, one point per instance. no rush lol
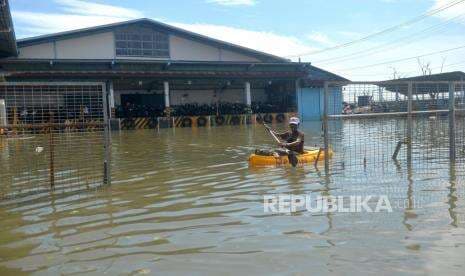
(394, 123)
(54, 137)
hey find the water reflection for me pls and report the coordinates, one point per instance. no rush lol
(185, 201)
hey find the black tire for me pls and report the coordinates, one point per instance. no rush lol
(280, 118)
(186, 122)
(259, 119)
(235, 120)
(268, 118)
(201, 121)
(153, 122)
(219, 120)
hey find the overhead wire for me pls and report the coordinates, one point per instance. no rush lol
(382, 32)
(405, 40)
(404, 59)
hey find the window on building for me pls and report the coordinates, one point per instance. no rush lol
(142, 43)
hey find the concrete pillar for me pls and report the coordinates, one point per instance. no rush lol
(112, 95)
(248, 96)
(166, 88)
(3, 120)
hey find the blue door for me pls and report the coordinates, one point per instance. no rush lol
(311, 101)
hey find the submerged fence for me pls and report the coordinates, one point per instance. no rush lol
(394, 123)
(46, 131)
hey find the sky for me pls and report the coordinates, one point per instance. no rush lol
(342, 36)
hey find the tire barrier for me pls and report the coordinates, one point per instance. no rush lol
(201, 121)
(268, 118)
(280, 118)
(137, 123)
(128, 124)
(235, 120)
(186, 122)
(220, 120)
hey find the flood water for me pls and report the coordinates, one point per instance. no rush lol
(184, 201)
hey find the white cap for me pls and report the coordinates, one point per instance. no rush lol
(294, 121)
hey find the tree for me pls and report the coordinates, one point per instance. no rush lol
(426, 70)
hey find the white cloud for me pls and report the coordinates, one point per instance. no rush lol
(76, 14)
(454, 11)
(88, 8)
(233, 2)
(44, 23)
(268, 42)
(320, 38)
(81, 14)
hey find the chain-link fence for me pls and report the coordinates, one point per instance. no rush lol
(53, 137)
(393, 123)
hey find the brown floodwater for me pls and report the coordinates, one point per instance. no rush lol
(184, 201)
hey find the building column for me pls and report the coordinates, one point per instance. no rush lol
(3, 119)
(248, 96)
(166, 88)
(111, 98)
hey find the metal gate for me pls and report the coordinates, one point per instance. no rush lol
(53, 137)
(395, 123)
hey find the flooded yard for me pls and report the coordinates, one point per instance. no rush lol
(184, 201)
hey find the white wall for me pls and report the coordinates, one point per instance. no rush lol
(102, 46)
(226, 55)
(184, 49)
(40, 51)
(99, 46)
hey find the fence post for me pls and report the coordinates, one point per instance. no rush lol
(51, 144)
(452, 154)
(325, 126)
(106, 135)
(409, 123)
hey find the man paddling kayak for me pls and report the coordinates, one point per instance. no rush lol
(293, 144)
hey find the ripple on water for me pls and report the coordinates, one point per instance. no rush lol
(183, 202)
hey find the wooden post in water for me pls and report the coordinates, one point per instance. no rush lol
(107, 134)
(396, 152)
(318, 157)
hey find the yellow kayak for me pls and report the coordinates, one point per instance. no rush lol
(309, 156)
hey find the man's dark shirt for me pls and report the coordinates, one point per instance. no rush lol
(291, 137)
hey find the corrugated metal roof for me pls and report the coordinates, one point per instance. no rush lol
(7, 33)
(436, 83)
(448, 76)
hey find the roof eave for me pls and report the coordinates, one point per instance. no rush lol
(12, 49)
